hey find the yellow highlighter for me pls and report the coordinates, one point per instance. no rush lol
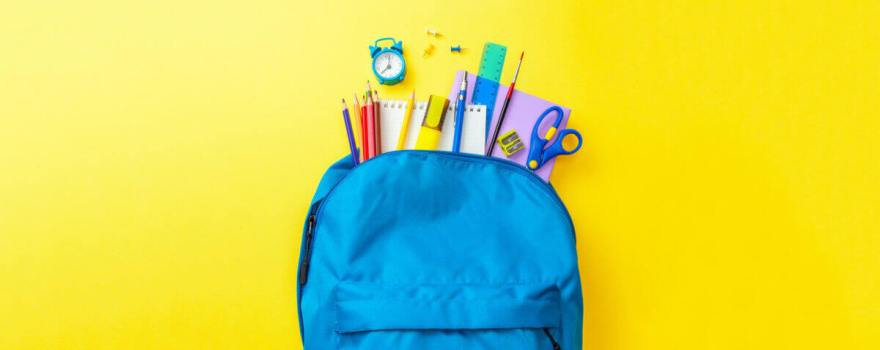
(432, 126)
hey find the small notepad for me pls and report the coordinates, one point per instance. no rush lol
(473, 131)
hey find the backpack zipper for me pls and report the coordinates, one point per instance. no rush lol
(310, 235)
(552, 340)
(476, 158)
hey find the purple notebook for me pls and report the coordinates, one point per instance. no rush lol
(522, 113)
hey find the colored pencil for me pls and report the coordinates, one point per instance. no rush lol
(377, 116)
(403, 129)
(351, 144)
(364, 131)
(493, 140)
(371, 127)
(358, 133)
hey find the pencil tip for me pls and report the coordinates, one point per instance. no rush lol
(521, 55)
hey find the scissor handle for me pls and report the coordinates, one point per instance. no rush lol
(556, 148)
(556, 122)
(537, 154)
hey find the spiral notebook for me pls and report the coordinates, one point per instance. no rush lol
(473, 130)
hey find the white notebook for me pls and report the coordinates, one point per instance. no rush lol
(473, 131)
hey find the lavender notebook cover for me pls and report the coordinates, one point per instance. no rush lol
(522, 113)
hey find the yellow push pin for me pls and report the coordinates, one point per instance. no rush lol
(428, 50)
(432, 32)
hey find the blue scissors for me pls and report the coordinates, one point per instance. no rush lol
(538, 155)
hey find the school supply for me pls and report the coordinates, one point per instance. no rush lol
(428, 50)
(460, 105)
(388, 63)
(473, 135)
(540, 153)
(434, 261)
(501, 116)
(432, 125)
(510, 143)
(488, 77)
(377, 117)
(455, 48)
(351, 143)
(360, 127)
(371, 127)
(363, 130)
(405, 124)
(522, 113)
(432, 32)
(393, 116)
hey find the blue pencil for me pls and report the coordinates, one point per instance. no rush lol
(351, 143)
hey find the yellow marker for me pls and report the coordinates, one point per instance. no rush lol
(405, 126)
(432, 126)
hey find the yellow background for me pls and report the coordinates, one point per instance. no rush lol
(157, 158)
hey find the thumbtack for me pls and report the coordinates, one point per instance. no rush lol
(456, 48)
(428, 50)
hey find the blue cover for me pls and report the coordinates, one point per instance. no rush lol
(435, 250)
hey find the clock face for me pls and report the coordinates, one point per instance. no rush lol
(388, 65)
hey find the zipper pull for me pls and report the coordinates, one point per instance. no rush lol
(552, 340)
(304, 266)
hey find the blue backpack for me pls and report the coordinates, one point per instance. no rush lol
(435, 250)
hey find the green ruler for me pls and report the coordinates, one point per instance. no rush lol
(493, 61)
(486, 88)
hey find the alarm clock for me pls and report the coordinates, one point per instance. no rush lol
(388, 64)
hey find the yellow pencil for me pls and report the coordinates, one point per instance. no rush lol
(406, 115)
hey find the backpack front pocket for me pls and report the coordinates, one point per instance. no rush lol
(428, 317)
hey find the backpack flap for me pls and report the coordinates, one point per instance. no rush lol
(332, 176)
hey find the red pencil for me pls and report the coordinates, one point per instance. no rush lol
(377, 122)
(364, 131)
(371, 128)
